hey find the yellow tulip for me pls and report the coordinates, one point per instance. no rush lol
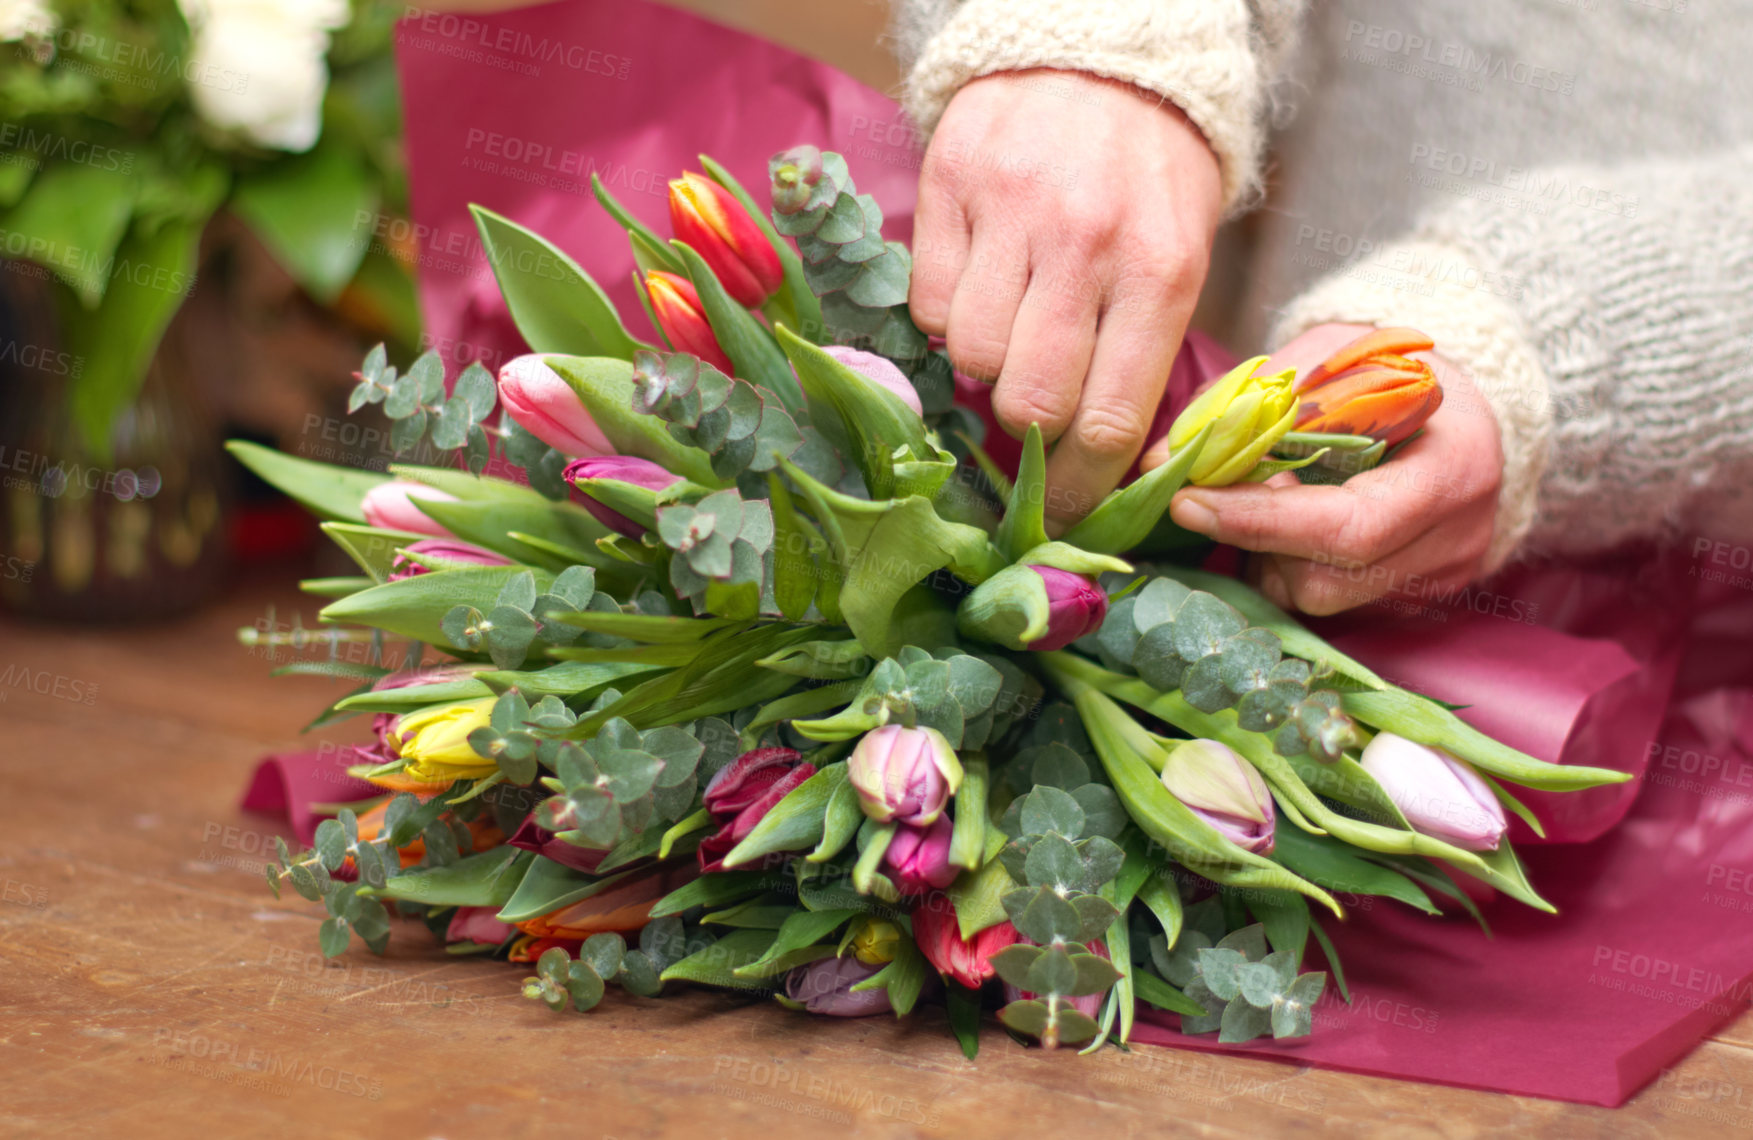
(1248, 414)
(875, 944)
(435, 741)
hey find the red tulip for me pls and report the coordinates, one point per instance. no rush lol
(1371, 387)
(743, 792)
(676, 306)
(531, 836)
(968, 961)
(715, 225)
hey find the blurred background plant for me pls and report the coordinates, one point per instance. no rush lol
(192, 194)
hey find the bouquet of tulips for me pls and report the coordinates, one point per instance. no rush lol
(764, 676)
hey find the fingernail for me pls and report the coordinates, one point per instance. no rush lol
(1272, 585)
(1192, 514)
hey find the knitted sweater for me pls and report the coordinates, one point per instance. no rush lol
(1560, 192)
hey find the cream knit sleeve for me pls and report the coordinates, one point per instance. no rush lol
(1608, 321)
(1215, 59)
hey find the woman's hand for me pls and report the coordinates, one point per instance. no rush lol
(1417, 525)
(1063, 232)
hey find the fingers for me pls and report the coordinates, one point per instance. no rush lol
(987, 297)
(1136, 341)
(940, 250)
(1050, 349)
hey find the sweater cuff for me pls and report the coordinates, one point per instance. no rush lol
(1436, 289)
(1196, 54)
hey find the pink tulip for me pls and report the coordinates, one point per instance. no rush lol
(622, 469)
(531, 836)
(918, 858)
(444, 550)
(477, 924)
(879, 370)
(1224, 790)
(1440, 795)
(904, 774)
(1076, 607)
(387, 505)
(546, 406)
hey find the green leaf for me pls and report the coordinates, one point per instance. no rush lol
(903, 978)
(1126, 517)
(486, 879)
(1024, 525)
(557, 306)
(718, 889)
(75, 214)
(1243, 1022)
(328, 491)
(332, 936)
(1285, 915)
(653, 245)
(605, 385)
(304, 207)
(877, 423)
(414, 607)
(749, 345)
(716, 965)
(490, 523)
(799, 553)
(801, 929)
(1339, 867)
(547, 886)
(963, 1005)
(968, 840)
(1423, 720)
(119, 338)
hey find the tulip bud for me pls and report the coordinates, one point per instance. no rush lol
(904, 774)
(1076, 607)
(742, 793)
(1440, 795)
(621, 469)
(795, 173)
(447, 550)
(435, 741)
(545, 405)
(918, 858)
(477, 924)
(1248, 415)
(876, 942)
(676, 307)
(879, 370)
(965, 960)
(531, 836)
(1087, 1004)
(825, 986)
(714, 224)
(387, 505)
(1370, 387)
(1224, 790)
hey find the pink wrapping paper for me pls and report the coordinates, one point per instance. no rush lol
(290, 786)
(1573, 665)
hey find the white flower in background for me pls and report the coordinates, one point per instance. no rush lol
(258, 66)
(21, 18)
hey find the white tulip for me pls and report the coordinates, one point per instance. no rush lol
(258, 67)
(1439, 794)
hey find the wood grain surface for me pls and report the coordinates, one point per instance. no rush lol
(150, 983)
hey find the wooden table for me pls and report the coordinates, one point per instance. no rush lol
(147, 977)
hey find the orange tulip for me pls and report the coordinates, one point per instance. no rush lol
(623, 908)
(1371, 387)
(710, 219)
(676, 306)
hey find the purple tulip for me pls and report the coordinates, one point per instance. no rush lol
(743, 792)
(389, 506)
(1440, 795)
(904, 774)
(545, 405)
(444, 550)
(825, 986)
(879, 370)
(531, 836)
(1075, 608)
(622, 469)
(1224, 790)
(918, 858)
